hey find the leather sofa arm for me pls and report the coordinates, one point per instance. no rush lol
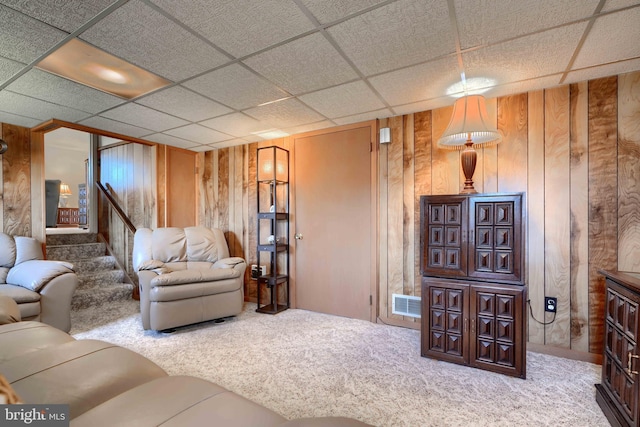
(55, 301)
(35, 274)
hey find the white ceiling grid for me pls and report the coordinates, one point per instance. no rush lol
(239, 69)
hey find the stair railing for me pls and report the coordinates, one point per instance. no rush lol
(118, 237)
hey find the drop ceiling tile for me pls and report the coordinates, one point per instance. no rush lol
(48, 87)
(227, 144)
(201, 148)
(14, 119)
(143, 36)
(198, 134)
(607, 70)
(38, 109)
(287, 113)
(371, 115)
(482, 22)
(184, 103)
(303, 65)
(241, 27)
(24, 39)
(235, 86)
(68, 15)
(344, 100)
(526, 57)
(8, 69)
(416, 107)
(399, 34)
(327, 11)
(173, 141)
(115, 126)
(608, 40)
(523, 86)
(141, 116)
(309, 127)
(418, 83)
(236, 124)
(618, 4)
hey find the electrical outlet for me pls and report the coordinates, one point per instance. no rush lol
(550, 304)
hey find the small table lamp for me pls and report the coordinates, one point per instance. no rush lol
(65, 192)
(468, 129)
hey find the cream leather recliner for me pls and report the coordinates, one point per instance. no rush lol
(43, 289)
(186, 276)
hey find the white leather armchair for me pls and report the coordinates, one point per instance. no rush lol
(186, 276)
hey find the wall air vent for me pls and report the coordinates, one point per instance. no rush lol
(405, 305)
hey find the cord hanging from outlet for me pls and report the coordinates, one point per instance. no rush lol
(542, 323)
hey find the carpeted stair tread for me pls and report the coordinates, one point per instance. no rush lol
(86, 265)
(71, 239)
(74, 252)
(96, 295)
(99, 278)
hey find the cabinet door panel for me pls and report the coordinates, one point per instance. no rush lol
(444, 320)
(498, 328)
(443, 236)
(495, 238)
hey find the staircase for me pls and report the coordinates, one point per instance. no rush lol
(99, 279)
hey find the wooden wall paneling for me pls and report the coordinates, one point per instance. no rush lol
(408, 227)
(395, 212)
(486, 176)
(223, 191)
(16, 175)
(206, 201)
(38, 223)
(629, 172)
(161, 186)
(422, 186)
(1, 187)
(383, 223)
(149, 187)
(557, 212)
(512, 150)
(579, 267)
(239, 201)
(445, 166)
(603, 198)
(535, 214)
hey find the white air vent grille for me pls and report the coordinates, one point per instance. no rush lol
(405, 305)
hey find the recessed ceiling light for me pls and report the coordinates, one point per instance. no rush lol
(472, 86)
(90, 66)
(271, 134)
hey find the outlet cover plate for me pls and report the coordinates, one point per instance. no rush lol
(550, 304)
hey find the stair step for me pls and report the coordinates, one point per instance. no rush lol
(86, 265)
(99, 278)
(75, 252)
(71, 239)
(98, 295)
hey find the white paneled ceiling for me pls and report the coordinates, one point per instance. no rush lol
(240, 70)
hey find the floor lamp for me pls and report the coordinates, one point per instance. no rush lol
(468, 129)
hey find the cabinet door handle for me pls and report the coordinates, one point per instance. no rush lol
(471, 236)
(629, 362)
(473, 326)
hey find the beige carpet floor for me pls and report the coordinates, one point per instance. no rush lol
(303, 364)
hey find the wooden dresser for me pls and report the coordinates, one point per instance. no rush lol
(617, 394)
(67, 217)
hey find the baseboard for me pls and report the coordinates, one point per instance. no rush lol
(565, 353)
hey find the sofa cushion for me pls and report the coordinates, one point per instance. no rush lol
(9, 311)
(19, 294)
(34, 274)
(179, 401)
(82, 374)
(27, 249)
(4, 271)
(169, 244)
(17, 339)
(7, 250)
(201, 244)
(194, 276)
(193, 290)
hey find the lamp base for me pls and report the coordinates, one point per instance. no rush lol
(468, 157)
